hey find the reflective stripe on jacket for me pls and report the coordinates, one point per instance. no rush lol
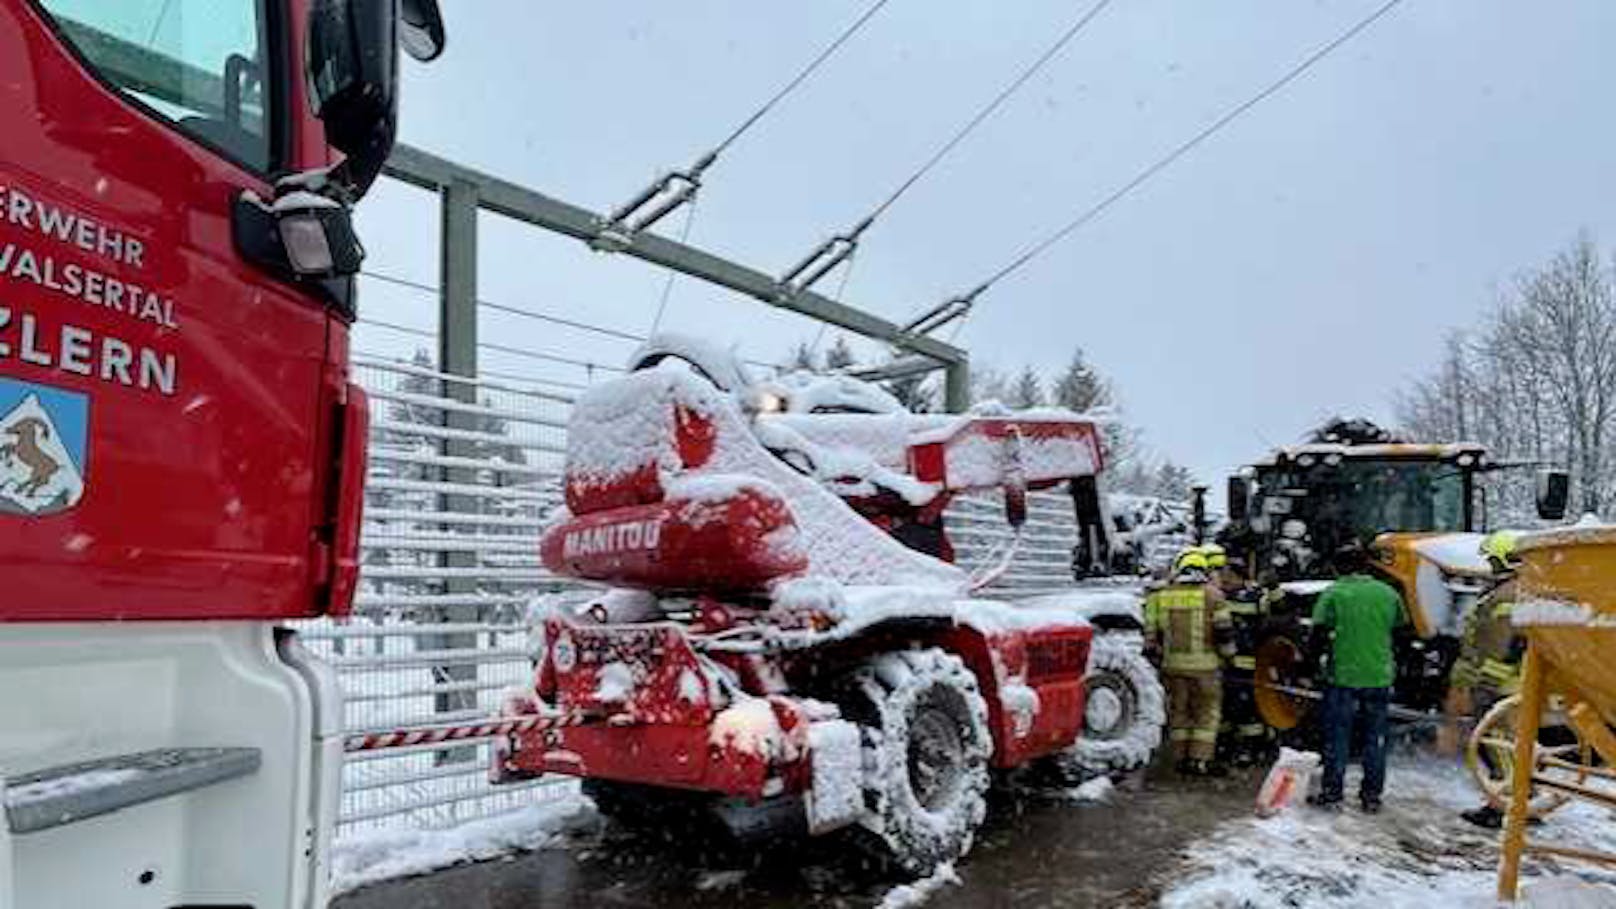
(1191, 627)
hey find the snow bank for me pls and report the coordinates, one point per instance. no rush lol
(1417, 853)
(906, 896)
(366, 858)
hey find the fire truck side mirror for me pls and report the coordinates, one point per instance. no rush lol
(1239, 495)
(352, 61)
(1553, 493)
(420, 29)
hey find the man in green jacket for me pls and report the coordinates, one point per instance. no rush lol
(1359, 613)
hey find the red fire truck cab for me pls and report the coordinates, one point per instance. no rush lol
(181, 449)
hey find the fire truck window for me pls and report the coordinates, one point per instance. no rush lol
(195, 63)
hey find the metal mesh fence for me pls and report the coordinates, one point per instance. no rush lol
(463, 474)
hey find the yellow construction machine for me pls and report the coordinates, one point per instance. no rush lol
(1421, 510)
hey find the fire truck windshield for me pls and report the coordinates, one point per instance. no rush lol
(194, 63)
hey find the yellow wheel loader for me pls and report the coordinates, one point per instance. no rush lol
(1420, 509)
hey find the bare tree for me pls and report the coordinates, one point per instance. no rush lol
(1536, 382)
(1566, 323)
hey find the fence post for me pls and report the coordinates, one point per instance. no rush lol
(957, 385)
(457, 355)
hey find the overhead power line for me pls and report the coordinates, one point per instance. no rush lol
(798, 79)
(839, 248)
(992, 106)
(961, 307)
(667, 285)
(676, 188)
(513, 310)
(524, 313)
(488, 345)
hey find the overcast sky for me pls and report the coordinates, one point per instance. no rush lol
(1306, 261)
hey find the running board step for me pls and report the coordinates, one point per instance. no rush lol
(72, 792)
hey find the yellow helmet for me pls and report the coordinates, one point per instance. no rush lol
(1216, 556)
(1191, 559)
(1499, 546)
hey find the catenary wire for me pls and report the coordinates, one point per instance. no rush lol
(518, 311)
(982, 115)
(667, 284)
(801, 76)
(1179, 151)
(507, 308)
(847, 275)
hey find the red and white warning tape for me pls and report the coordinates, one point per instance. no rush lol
(455, 732)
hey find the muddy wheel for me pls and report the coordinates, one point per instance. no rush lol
(1281, 666)
(1124, 709)
(926, 749)
(1490, 757)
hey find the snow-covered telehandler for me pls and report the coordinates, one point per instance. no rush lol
(784, 639)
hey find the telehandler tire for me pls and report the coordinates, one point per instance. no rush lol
(926, 743)
(1125, 709)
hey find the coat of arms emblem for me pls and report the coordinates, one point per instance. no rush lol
(43, 438)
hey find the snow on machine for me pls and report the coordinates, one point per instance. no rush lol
(785, 640)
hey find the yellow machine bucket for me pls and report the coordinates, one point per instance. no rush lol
(1568, 614)
(1575, 569)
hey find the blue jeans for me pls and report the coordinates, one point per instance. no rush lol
(1343, 708)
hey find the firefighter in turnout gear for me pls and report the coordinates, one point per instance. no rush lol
(1244, 738)
(1490, 654)
(1188, 628)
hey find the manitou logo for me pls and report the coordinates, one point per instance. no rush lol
(42, 446)
(608, 539)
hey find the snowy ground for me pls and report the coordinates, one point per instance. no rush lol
(1151, 841)
(372, 856)
(1416, 853)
